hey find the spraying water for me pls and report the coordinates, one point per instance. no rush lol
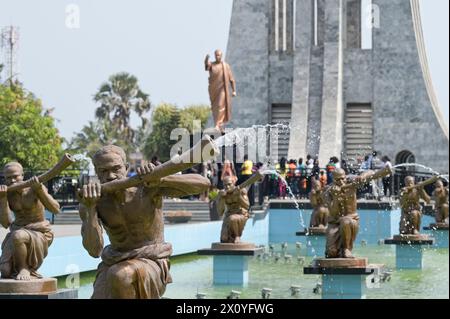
(429, 169)
(83, 157)
(237, 136)
(288, 188)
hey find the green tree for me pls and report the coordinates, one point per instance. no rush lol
(165, 118)
(118, 98)
(194, 113)
(27, 133)
(95, 135)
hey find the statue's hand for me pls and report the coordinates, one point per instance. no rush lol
(3, 191)
(144, 170)
(36, 184)
(335, 190)
(234, 93)
(90, 194)
(222, 193)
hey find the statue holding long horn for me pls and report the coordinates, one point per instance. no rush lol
(22, 210)
(135, 265)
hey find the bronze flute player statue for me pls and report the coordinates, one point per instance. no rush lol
(234, 202)
(343, 220)
(22, 210)
(135, 265)
(410, 196)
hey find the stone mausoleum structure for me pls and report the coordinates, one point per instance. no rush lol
(302, 62)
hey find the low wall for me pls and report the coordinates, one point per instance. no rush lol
(67, 255)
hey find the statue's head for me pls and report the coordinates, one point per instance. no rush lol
(13, 172)
(439, 184)
(317, 186)
(110, 163)
(219, 55)
(228, 184)
(409, 181)
(339, 177)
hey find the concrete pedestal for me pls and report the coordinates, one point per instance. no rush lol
(59, 294)
(342, 278)
(45, 288)
(351, 286)
(316, 240)
(440, 234)
(409, 250)
(230, 262)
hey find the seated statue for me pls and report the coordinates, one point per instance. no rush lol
(320, 210)
(343, 219)
(136, 263)
(26, 245)
(440, 195)
(234, 203)
(410, 197)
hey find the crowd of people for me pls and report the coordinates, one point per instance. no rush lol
(292, 178)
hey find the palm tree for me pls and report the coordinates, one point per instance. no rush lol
(119, 97)
(95, 135)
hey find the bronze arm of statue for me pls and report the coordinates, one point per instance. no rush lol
(368, 176)
(255, 178)
(422, 184)
(207, 63)
(221, 203)
(233, 86)
(420, 187)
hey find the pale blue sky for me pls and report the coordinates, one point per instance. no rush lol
(163, 43)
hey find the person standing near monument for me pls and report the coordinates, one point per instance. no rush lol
(135, 265)
(343, 220)
(26, 245)
(246, 173)
(220, 79)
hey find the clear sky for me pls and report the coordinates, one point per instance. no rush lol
(162, 42)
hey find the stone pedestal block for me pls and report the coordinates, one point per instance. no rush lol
(44, 288)
(409, 250)
(230, 262)
(342, 278)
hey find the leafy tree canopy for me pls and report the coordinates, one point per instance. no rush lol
(28, 133)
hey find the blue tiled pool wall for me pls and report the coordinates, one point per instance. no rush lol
(67, 255)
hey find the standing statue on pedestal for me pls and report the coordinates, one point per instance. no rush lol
(234, 202)
(135, 265)
(220, 78)
(26, 245)
(410, 196)
(320, 210)
(440, 196)
(343, 220)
